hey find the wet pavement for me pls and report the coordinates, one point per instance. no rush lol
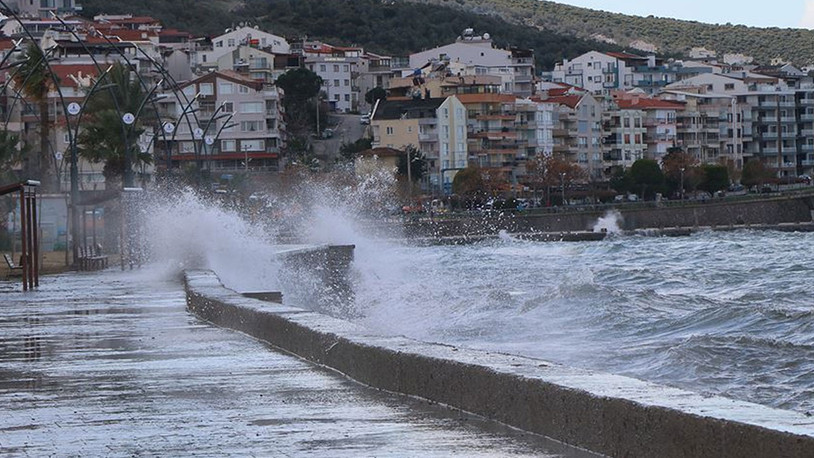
(111, 364)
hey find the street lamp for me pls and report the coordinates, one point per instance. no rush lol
(562, 187)
(682, 183)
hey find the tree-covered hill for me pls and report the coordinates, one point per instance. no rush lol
(389, 27)
(672, 36)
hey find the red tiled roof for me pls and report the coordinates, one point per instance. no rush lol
(64, 72)
(567, 100)
(6, 43)
(132, 35)
(649, 104)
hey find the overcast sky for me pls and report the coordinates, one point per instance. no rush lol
(783, 13)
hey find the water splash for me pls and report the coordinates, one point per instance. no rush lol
(609, 222)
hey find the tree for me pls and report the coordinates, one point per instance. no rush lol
(672, 164)
(10, 154)
(35, 81)
(375, 94)
(716, 178)
(300, 86)
(418, 163)
(647, 176)
(468, 182)
(349, 151)
(545, 172)
(755, 173)
(104, 137)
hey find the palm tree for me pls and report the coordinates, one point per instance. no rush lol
(35, 81)
(104, 137)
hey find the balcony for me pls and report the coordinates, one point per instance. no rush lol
(808, 148)
(807, 162)
(428, 137)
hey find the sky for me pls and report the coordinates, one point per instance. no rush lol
(757, 13)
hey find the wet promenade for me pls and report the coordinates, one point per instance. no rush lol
(111, 364)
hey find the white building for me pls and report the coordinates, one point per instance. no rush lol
(597, 72)
(232, 39)
(236, 124)
(479, 57)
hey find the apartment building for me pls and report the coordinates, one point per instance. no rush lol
(578, 134)
(710, 127)
(437, 127)
(44, 8)
(625, 133)
(778, 129)
(339, 67)
(604, 73)
(535, 124)
(476, 55)
(234, 124)
(206, 57)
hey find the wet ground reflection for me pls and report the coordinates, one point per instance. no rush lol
(111, 364)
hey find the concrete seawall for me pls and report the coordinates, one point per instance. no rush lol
(604, 413)
(713, 213)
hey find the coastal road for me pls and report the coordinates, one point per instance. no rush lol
(346, 129)
(111, 364)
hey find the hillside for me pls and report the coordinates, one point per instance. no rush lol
(672, 36)
(389, 27)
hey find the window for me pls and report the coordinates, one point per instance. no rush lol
(189, 91)
(219, 44)
(252, 145)
(249, 126)
(227, 145)
(226, 88)
(346, 68)
(336, 83)
(347, 97)
(460, 132)
(230, 42)
(336, 68)
(203, 57)
(336, 97)
(322, 68)
(729, 86)
(445, 149)
(263, 42)
(243, 89)
(206, 88)
(347, 82)
(389, 130)
(627, 121)
(252, 107)
(459, 114)
(446, 131)
(461, 148)
(228, 107)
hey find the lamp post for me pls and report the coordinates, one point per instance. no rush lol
(562, 187)
(682, 183)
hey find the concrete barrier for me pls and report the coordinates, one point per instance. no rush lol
(604, 413)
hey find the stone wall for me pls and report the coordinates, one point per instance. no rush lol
(605, 413)
(713, 213)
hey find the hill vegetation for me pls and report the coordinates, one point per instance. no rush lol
(388, 27)
(672, 36)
